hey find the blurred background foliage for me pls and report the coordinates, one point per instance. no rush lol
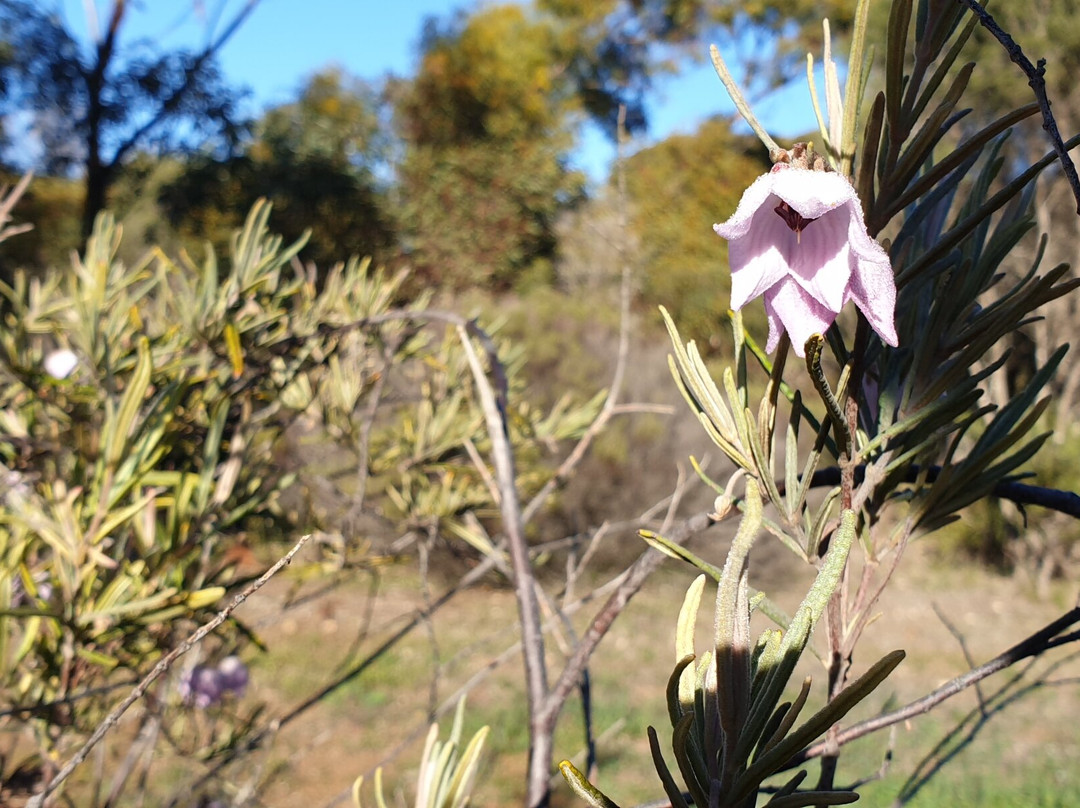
(154, 417)
(462, 172)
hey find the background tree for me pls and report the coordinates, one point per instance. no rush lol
(613, 48)
(316, 158)
(487, 127)
(94, 106)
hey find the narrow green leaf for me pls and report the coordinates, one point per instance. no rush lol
(680, 553)
(684, 637)
(586, 790)
(795, 638)
(123, 427)
(972, 220)
(791, 462)
(466, 771)
(808, 798)
(817, 725)
(944, 65)
(854, 86)
(920, 146)
(671, 788)
(680, 743)
(677, 707)
(787, 721)
(867, 162)
(895, 53)
(965, 151)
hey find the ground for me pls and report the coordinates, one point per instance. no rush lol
(1025, 754)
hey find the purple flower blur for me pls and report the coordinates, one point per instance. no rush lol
(204, 686)
(233, 675)
(201, 686)
(798, 237)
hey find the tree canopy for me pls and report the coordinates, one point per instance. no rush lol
(315, 158)
(95, 104)
(678, 189)
(487, 126)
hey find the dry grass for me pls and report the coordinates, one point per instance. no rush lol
(1025, 755)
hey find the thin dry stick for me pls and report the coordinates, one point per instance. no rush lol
(7, 203)
(1034, 645)
(1035, 75)
(140, 748)
(45, 707)
(611, 403)
(961, 640)
(160, 668)
(968, 727)
(634, 577)
(532, 638)
(363, 448)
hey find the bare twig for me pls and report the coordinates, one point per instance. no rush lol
(1034, 645)
(631, 582)
(363, 448)
(163, 665)
(532, 638)
(8, 199)
(611, 406)
(46, 707)
(961, 640)
(1035, 75)
(140, 748)
(968, 727)
(429, 626)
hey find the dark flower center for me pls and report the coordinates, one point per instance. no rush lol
(792, 218)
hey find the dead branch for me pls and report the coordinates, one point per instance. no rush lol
(1033, 646)
(1035, 75)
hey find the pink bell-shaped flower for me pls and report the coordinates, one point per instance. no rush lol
(798, 237)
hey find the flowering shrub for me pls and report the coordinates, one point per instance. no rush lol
(141, 408)
(901, 440)
(143, 411)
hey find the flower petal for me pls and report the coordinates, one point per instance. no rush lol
(759, 258)
(873, 289)
(788, 304)
(820, 260)
(752, 199)
(812, 193)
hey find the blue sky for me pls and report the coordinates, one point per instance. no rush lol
(285, 41)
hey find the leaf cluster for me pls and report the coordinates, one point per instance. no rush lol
(447, 772)
(962, 214)
(730, 731)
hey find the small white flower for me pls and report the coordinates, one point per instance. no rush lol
(60, 363)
